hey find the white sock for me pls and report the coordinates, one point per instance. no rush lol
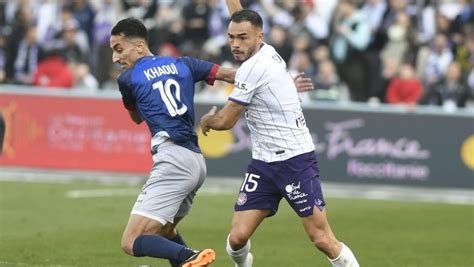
(345, 259)
(238, 256)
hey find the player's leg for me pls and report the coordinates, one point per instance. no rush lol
(164, 200)
(176, 237)
(302, 189)
(320, 233)
(244, 224)
(144, 236)
(258, 198)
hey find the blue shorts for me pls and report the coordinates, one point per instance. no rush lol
(296, 179)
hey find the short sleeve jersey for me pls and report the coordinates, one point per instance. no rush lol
(273, 111)
(162, 90)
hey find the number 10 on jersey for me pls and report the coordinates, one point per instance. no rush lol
(250, 182)
(171, 101)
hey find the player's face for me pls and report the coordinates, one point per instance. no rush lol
(125, 51)
(244, 40)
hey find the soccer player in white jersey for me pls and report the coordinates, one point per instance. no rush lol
(283, 161)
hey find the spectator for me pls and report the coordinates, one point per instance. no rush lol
(142, 10)
(374, 11)
(400, 40)
(301, 62)
(351, 37)
(23, 20)
(470, 85)
(107, 14)
(437, 60)
(168, 28)
(464, 17)
(327, 85)
(406, 88)
(84, 14)
(451, 92)
(49, 23)
(196, 15)
(301, 42)
(53, 72)
(69, 44)
(425, 22)
(465, 54)
(111, 81)
(279, 40)
(168, 50)
(83, 79)
(70, 39)
(390, 70)
(319, 53)
(367, 44)
(309, 20)
(29, 54)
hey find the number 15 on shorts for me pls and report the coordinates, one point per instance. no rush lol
(250, 182)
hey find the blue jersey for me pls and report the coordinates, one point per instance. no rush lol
(161, 89)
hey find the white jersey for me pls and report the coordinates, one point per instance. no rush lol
(274, 115)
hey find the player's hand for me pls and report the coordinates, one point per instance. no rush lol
(203, 123)
(303, 83)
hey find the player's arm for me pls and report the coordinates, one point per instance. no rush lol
(233, 6)
(135, 116)
(225, 74)
(206, 71)
(127, 98)
(223, 119)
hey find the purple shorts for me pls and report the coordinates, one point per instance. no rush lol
(296, 179)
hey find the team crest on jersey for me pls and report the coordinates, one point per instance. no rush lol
(242, 199)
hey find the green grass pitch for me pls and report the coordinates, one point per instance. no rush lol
(40, 226)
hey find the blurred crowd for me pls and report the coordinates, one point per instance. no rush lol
(393, 51)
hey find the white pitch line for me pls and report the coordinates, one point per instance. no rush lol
(10, 263)
(231, 185)
(102, 193)
(125, 192)
(374, 194)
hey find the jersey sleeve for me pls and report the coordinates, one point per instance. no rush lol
(248, 78)
(124, 83)
(201, 69)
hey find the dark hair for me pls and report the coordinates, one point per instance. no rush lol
(247, 15)
(130, 27)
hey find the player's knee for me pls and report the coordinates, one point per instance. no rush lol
(321, 244)
(237, 240)
(127, 246)
(320, 240)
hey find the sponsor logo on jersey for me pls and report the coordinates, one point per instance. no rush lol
(293, 191)
(241, 86)
(301, 201)
(305, 208)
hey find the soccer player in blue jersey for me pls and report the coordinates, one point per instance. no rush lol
(160, 91)
(284, 163)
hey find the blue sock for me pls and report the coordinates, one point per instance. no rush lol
(159, 247)
(178, 240)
